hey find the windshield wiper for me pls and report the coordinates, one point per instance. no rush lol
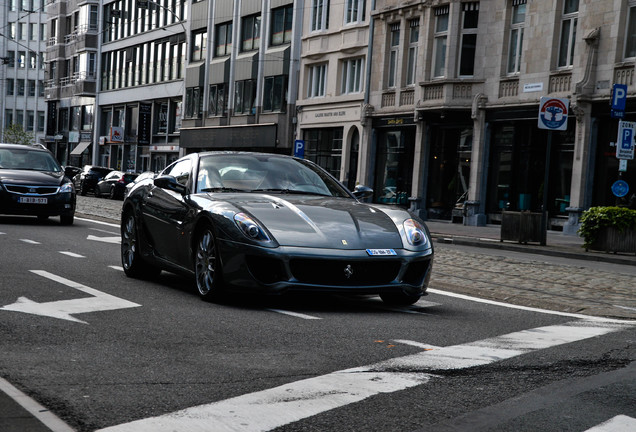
(290, 191)
(222, 189)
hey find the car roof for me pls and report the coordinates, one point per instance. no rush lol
(36, 147)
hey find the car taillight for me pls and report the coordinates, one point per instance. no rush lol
(122, 181)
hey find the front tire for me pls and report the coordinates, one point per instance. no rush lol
(112, 194)
(399, 298)
(67, 219)
(207, 266)
(131, 259)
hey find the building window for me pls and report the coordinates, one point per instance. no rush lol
(218, 100)
(470, 19)
(223, 40)
(20, 83)
(517, 24)
(275, 93)
(40, 88)
(441, 35)
(282, 20)
(31, 87)
(21, 32)
(199, 45)
(8, 117)
(317, 79)
(351, 76)
(194, 102)
(354, 11)
(31, 31)
(30, 124)
(33, 60)
(319, 15)
(87, 117)
(250, 33)
(324, 147)
(12, 30)
(244, 96)
(40, 121)
(21, 59)
(630, 37)
(10, 86)
(568, 32)
(10, 59)
(394, 52)
(414, 38)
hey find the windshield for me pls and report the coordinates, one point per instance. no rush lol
(264, 173)
(27, 159)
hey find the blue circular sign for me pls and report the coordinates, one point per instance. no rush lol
(620, 188)
(553, 114)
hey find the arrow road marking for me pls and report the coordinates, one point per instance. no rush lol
(63, 309)
(114, 240)
(272, 408)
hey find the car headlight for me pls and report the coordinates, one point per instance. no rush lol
(250, 228)
(415, 233)
(67, 187)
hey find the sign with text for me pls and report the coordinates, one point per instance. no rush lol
(144, 122)
(625, 143)
(619, 99)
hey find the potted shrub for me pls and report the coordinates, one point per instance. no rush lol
(611, 229)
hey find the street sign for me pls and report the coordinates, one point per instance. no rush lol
(553, 113)
(299, 149)
(625, 144)
(619, 99)
(620, 188)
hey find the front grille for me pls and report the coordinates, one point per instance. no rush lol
(345, 272)
(31, 190)
(415, 272)
(266, 270)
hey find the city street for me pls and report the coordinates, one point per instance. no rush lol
(105, 352)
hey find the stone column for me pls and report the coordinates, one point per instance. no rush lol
(474, 207)
(420, 162)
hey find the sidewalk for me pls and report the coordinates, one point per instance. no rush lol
(557, 243)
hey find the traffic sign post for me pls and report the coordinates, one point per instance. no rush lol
(625, 142)
(619, 100)
(299, 149)
(553, 115)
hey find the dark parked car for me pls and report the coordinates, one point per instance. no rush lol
(114, 184)
(89, 177)
(270, 224)
(141, 177)
(33, 183)
(71, 171)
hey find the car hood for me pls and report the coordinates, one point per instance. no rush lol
(29, 177)
(322, 222)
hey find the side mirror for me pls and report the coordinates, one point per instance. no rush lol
(169, 182)
(362, 192)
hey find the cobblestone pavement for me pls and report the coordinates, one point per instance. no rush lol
(533, 281)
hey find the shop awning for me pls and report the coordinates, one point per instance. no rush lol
(79, 149)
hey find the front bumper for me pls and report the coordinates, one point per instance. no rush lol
(281, 269)
(57, 204)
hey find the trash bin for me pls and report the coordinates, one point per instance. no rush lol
(523, 227)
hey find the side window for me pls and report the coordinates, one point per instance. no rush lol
(180, 170)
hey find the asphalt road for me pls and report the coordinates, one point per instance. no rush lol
(101, 351)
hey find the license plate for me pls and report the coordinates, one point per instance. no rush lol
(381, 252)
(32, 200)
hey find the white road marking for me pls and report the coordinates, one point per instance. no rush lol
(424, 346)
(120, 268)
(525, 308)
(98, 222)
(272, 408)
(72, 254)
(294, 314)
(620, 423)
(113, 239)
(30, 241)
(104, 231)
(50, 420)
(64, 309)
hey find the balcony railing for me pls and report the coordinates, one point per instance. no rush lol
(388, 99)
(407, 97)
(624, 75)
(509, 88)
(560, 83)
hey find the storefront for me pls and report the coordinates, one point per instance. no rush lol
(394, 156)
